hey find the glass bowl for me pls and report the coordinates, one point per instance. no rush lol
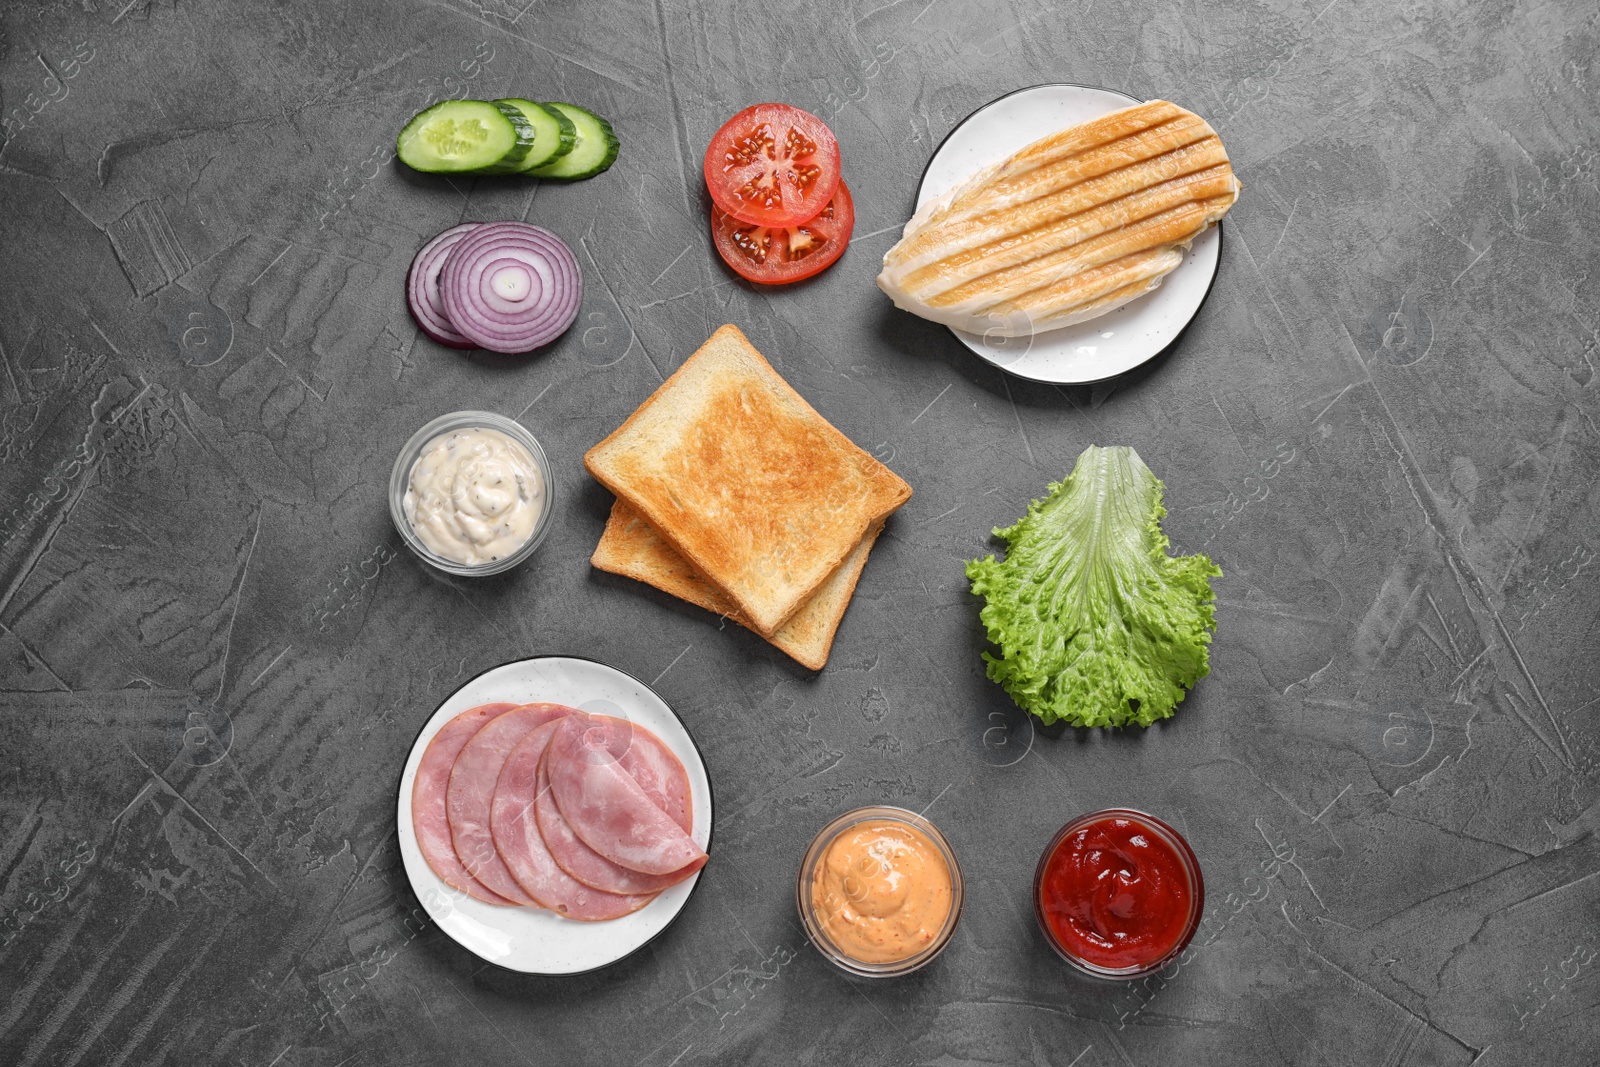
(1186, 859)
(401, 477)
(813, 924)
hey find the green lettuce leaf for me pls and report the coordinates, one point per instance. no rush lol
(1096, 624)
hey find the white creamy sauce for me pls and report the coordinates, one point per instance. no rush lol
(474, 495)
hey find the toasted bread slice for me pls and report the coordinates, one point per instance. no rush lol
(629, 547)
(1043, 238)
(743, 479)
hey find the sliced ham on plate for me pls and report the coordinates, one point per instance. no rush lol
(584, 863)
(517, 837)
(471, 792)
(607, 808)
(652, 764)
(428, 813)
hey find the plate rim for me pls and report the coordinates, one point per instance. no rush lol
(1210, 284)
(711, 827)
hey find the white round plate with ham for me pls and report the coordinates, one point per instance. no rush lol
(536, 941)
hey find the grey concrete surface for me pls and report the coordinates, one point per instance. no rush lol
(215, 651)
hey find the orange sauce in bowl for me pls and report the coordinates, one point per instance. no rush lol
(881, 891)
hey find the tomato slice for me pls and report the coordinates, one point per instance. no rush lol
(772, 165)
(776, 255)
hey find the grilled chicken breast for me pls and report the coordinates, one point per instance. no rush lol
(1070, 227)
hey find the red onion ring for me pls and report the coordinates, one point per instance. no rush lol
(511, 287)
(422, 287)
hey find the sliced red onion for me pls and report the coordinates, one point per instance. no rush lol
(511, 287)
(422, 287)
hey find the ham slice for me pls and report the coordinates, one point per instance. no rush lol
(653, 765)
(607, 808)
(584, 863)
(428, 815)
(516, 836)
(471, 793)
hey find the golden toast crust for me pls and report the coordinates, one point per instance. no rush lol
(745, 480)
(629, 547)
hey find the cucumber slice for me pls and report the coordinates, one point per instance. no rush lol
(595, 151)
(553, 133)
(527, 139)
(458, 136)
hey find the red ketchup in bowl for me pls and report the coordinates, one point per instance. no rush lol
(1118, 893)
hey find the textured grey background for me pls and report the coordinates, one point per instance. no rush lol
(216, 652)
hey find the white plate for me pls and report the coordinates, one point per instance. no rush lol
(531, 940)
(1117, 341)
